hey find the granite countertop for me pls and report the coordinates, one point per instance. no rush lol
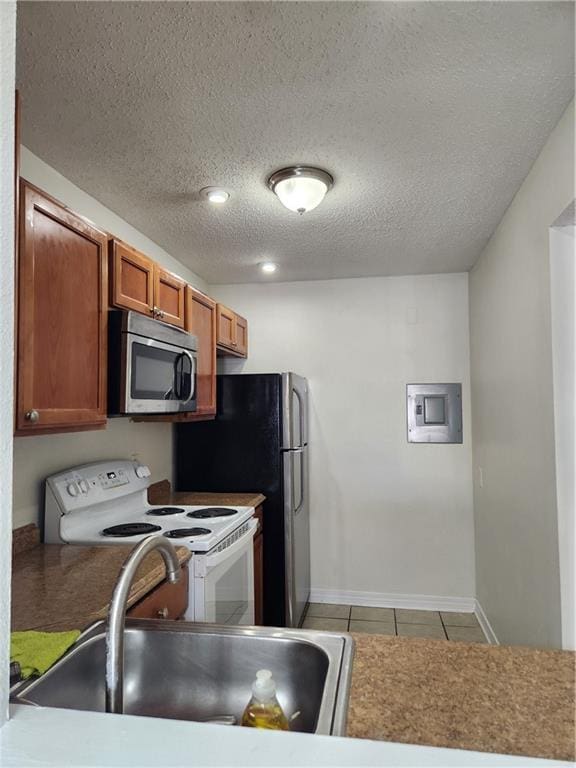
(508, 699)
(161, 493)
(57, 587)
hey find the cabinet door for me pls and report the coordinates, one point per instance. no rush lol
(241, 336)
(62, 318)
(201, 321)
(226, 326)
(169, 296)
(167, 601)
(132, 285)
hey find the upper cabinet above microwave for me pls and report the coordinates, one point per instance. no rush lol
(138, 283)
(62, 318)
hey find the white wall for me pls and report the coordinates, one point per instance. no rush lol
(7, 85)
(517, 572)
(37, 457)
(387, 517)
(563, 292)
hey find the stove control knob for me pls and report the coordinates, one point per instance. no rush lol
(84, 487)
(72, 489)
(143, 471)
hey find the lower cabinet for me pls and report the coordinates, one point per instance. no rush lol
(167, 601)
(259, 570)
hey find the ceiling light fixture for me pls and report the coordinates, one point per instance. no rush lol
(268, 267)
(215, 195)
(300, 188)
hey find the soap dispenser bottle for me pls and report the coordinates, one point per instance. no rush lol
(263, 709)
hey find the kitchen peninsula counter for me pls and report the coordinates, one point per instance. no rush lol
(506, 699)
(57, 587)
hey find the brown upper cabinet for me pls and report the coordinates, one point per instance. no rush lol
(169, 293)
(139, 284)
(232, 332)
(132, 284)
(201, 321)
(62, 318)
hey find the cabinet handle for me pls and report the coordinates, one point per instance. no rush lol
(32, 416)
(162, 613)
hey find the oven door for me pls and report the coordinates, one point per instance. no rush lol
(224, 582)
(160, 377)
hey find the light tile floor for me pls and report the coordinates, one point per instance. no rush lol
(443, 625)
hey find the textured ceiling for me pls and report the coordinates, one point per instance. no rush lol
(428, 114)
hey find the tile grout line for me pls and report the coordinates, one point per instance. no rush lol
(443, 626)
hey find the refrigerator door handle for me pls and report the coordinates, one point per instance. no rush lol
(295, 503)
(300, 417)
(295, 426)
(300, 504)
(288, 462)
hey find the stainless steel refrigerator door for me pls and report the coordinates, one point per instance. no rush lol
(297, 534)
(294, 411)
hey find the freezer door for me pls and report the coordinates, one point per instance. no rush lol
(297, 534)
(294, 411)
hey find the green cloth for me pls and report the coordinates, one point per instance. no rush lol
(37, 651)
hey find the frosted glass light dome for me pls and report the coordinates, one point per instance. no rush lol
(301, 188)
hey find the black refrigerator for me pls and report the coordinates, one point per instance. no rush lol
(258, 442)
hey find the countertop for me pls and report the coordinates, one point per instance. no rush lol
(161, 493)
(62, 586)
(504, 699)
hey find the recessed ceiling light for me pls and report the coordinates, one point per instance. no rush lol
(300, 188)
(215, 195)
(268, 267)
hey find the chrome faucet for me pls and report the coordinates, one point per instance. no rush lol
(117, 614)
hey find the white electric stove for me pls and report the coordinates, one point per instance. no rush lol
(106, 503)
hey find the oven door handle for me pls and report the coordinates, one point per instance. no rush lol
(211, 561)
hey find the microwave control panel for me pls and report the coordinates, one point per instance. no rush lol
(434, 413)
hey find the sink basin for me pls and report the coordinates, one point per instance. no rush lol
(184, 671)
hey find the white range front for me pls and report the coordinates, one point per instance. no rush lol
(106, 503)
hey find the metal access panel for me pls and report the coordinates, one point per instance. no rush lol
(434, 413)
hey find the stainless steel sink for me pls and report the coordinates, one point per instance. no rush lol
(183, 671)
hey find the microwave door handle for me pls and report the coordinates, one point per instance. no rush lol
(192, 378)
(178, 375)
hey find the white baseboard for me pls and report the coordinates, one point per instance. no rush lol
(485, 624)
(394, 600)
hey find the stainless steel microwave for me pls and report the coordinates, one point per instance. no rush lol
(151, 366)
